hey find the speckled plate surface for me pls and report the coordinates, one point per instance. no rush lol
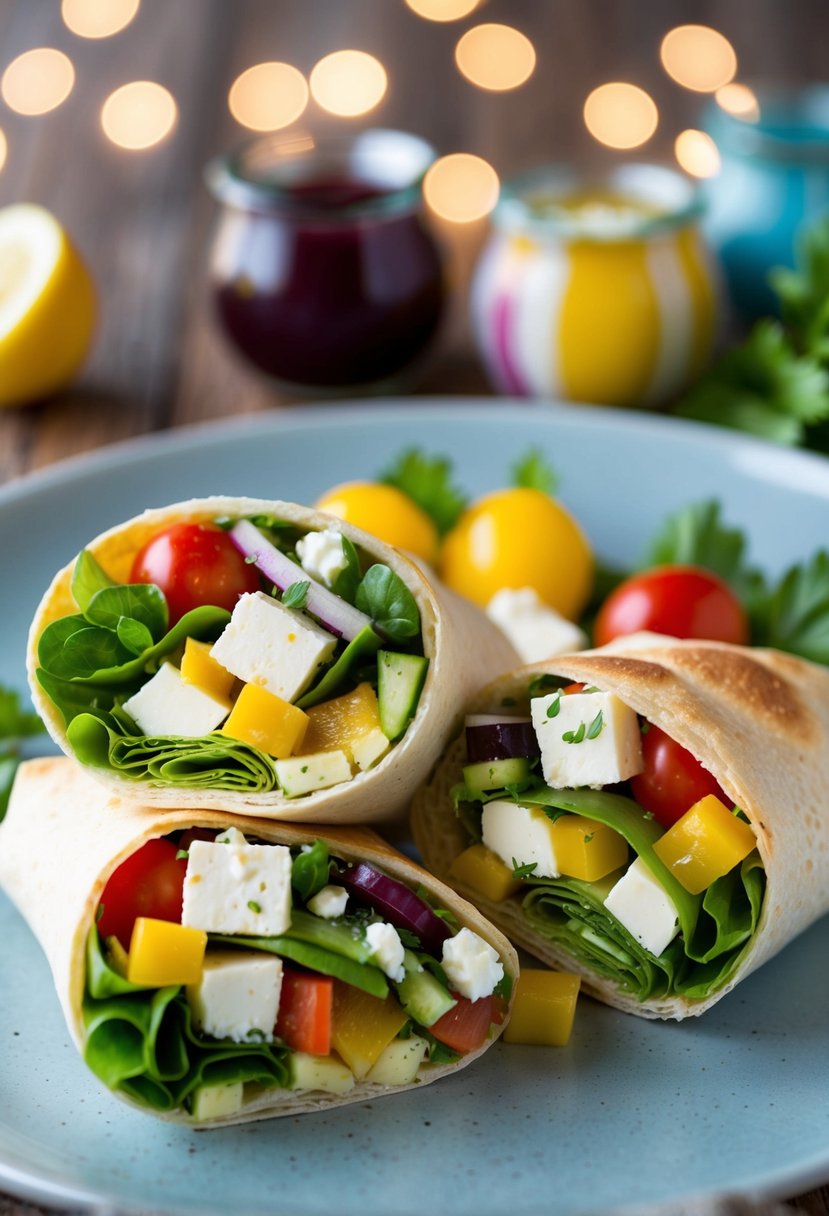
(631, 1114)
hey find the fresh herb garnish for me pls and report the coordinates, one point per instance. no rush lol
(427, 480)
(182, 854)
(254, 906)
(296, 595)
(575, 736)
(595, 727)
(554, 707)
(384, 597)
(16, 724)
(525, 870)
(532, 472)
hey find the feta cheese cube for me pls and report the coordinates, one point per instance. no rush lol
(322, 555)
(304, 774)
(278, 648)
(237, 996)
(521, 834)
(329, 903)
(231, 886)
(586, 738)
(535, 630)
(643, 906)
(166, 705)
(471, 965)
(387, 949)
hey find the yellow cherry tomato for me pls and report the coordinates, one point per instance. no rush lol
(519, 538)
(386, 513)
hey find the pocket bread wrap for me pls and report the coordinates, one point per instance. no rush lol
(361, 678)
(177, 1049)
(704, 902)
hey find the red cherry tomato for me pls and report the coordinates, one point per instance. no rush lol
(149, 883)
(683, 601)
(672, 779)
(194, 564)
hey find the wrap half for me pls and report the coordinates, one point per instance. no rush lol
(327, 697)
(757, 722)
(204, 1050)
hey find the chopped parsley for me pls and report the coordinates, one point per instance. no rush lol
(296, 595)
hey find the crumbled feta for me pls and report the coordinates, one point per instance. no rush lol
(166, 705)
(387, 949)
(586, 738)
(643, 906)
(322, 555)
(471, 965)
(520, 835)
(329, 902)
(237, 996)
(278, 648)
(535, 630)
(231, 886)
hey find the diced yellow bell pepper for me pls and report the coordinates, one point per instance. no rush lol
(544, 1008)
(338, 724)
(197, 667)
(484, 872)
(162, 953)
(267, 722)
(704, 844)
(362, 1026)
(587, 849)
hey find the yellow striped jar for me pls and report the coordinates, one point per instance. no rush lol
(600, 293)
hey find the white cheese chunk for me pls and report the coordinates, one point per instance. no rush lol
(317, 771)
(278, 648)
(472, 967)
(387, 949)
(369, 748)
(166, 705)
(586, 738)
(520, 834)
(643, 906)
(535, 629)
(322, 555)
(237, 996)
(329, 902)
(236, 887)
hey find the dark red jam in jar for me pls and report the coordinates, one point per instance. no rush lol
(325, 274)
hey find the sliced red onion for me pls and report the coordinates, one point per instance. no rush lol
(396, 903)
(335, 613)
(500, 739)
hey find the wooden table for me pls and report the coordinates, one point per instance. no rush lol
(143, 220)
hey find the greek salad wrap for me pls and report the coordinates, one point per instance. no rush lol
(652, 814)
(256, 657)
(215, 969)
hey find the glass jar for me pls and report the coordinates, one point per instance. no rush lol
(324, 274)
(595, 289)
(773, 180)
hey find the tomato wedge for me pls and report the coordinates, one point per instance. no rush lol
(466, 1026)
(304, 1020)
(149, 883)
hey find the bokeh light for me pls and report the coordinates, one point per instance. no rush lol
(348, 83)
(37, 81)
(442, 10)
(139, 115)
(268, 96)
(97, 18)
(620, 115)
(697, 153)
(461, 187)
(698, 57)
(495, 57)
(739, 100)
(4, 149)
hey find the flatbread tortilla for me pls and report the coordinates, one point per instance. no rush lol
(757, 719)
(63, 836)
(463, 646)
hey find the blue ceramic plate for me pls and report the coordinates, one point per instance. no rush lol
(631, 1113)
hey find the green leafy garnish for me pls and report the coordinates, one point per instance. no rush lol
(296, 595)
(595, 727)
(697, 536)
(525, 870)
(427, 480)
(532, 472)
(16, 724)
(575, 736)
(384, 597)
(794, 615)
(310, 870)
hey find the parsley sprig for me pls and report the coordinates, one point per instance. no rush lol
(16, 724)
(427, 480)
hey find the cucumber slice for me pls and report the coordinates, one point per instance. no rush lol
(400, 680)
(424, 997)
(316, 958)
(495, 774)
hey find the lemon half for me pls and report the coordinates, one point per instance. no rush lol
(47, 305)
